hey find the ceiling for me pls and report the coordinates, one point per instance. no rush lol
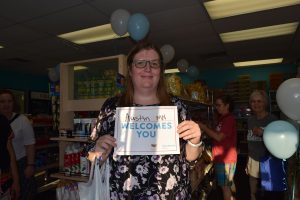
(28, 32)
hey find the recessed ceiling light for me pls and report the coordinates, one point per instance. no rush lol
(226, 8)
(169, 71)
(80, 67)
(1, 46)
(262, 32)
(90, 35)
(257, 62)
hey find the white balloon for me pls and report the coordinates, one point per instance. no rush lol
(52, 74)
(288, 98)
(119, 20)
(182, 65)
(168, 53)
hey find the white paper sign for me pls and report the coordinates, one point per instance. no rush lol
(149, 130)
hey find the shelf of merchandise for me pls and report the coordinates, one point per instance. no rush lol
(46, 167)
(46, 146)
(42, 129)
(241, 118)
(48, 186)
(70, 103)
(195, 103)
(273, 106)
(72, 139)
(70, 177)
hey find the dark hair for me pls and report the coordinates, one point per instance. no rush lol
(226, 99)
(127, 97)
(16, 107)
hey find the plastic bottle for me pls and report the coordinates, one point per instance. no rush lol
(67, 161)
(75, 160)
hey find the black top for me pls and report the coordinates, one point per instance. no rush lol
(5, 131)
(140, 177)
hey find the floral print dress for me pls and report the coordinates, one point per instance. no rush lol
(149, 177)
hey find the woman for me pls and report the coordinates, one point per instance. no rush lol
(256, 148)
(224, 144)
(8, 166)
(23, 143)
(154, 176)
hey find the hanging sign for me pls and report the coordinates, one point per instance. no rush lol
(149, 130)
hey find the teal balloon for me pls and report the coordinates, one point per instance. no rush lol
(281, 139)
(138, 26)
(193, 71)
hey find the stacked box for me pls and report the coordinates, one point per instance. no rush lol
(275, 80)
(258, 85)
(244, 87)
(232, 90)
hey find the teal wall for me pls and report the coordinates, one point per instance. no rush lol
(25, 82)
(215, 78)
(218, 78)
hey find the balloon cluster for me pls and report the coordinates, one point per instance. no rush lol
(168, 53)
(281, 137)
(183, 66)
(137, 25)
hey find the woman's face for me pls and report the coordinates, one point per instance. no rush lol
(145, 77)
(257, 104)
(221, 107)
(6, 103)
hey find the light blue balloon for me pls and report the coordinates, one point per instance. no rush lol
(281, 139)
(193, 71)
(52, 74)
(119, 21)
(138, 26)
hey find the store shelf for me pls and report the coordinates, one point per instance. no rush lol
(49, 166)
(90, 105)
(70, 139)
(195, 103)
(48, 186)
(73, 177)
(46, 146)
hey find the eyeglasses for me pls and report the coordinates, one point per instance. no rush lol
(154, 64)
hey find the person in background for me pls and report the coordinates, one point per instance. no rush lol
(256, 148)
(147, 176)
(23, 143)
(224, 144)
(9, 177)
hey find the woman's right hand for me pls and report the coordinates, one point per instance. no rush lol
(104, 146)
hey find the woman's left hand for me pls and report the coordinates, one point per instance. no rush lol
(189, 130)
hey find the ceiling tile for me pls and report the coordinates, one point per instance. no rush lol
(20, 11)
